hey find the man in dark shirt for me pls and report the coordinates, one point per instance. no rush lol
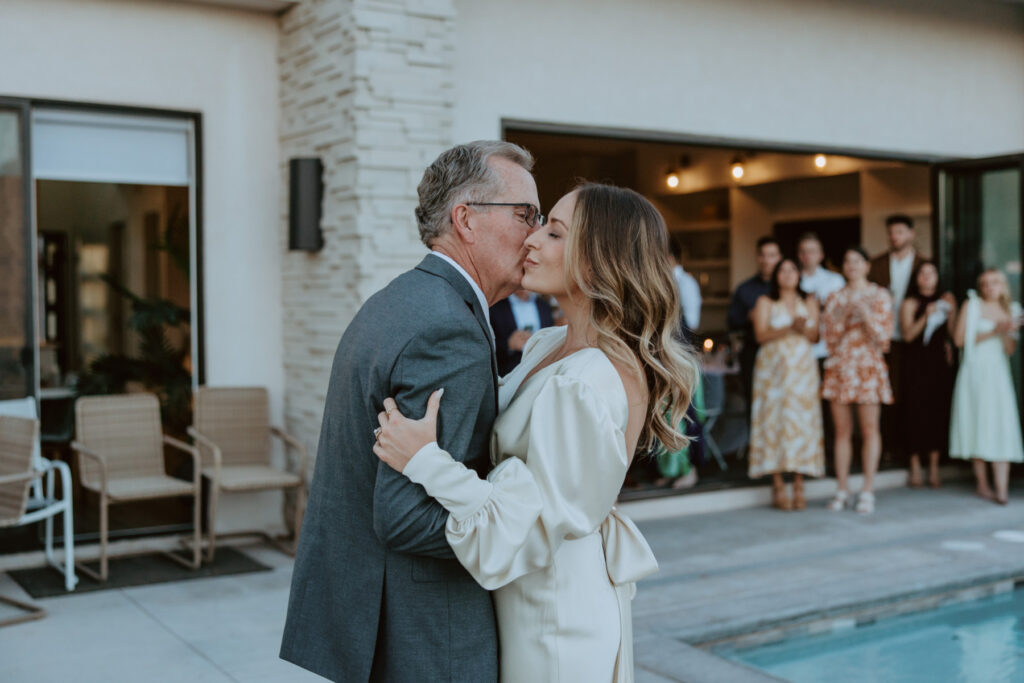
(742, 307)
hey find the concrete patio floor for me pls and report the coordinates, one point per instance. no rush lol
(722, 575)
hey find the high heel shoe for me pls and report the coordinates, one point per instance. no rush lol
(839, 501)
(780, 501)
(799, 502)
(865, 503)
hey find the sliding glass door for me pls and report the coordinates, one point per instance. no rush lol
(17, 317)
(980, 223)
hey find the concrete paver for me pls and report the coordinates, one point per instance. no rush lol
(722, 575)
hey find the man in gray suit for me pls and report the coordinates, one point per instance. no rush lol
(376, 592)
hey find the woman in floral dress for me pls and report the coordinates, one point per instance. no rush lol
(858, 326)
(786, 433)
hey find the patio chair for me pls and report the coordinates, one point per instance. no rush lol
(119, 443)
(714, 405)
(18, 437)
(42, 502)
(232, 429)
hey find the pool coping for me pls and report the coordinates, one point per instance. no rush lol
(841, 618)
(706, 660)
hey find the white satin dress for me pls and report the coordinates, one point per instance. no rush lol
(542, 531)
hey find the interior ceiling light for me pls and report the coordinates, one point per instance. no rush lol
(737, 168)
(820, 161)
(672, 176)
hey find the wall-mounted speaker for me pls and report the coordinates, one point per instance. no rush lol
(305, 204)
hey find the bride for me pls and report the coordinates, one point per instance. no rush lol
(542, 530)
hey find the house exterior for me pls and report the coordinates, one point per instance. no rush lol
(377, 88)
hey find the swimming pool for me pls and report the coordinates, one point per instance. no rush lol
(981, 641)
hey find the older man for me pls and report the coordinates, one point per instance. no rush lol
(376, 592)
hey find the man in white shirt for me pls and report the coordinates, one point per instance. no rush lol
(821, 282)
(514, 320)
(689, 290)
(893, 271)
(817, 280)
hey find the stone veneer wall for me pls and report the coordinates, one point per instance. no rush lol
(366, 85)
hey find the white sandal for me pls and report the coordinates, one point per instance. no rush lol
(838, 501)
(865, 503)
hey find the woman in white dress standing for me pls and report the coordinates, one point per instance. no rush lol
(985, 423)
(542, 530)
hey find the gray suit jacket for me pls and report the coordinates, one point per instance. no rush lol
(376, 592)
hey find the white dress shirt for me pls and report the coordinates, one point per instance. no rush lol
(899, 280)
(525, 312)
(689, 294)
(476, 289)
(821, 283)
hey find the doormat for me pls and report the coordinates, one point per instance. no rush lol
(138, 570)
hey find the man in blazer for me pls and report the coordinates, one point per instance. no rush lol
(894, 270)
(510, 332)
(376, 592)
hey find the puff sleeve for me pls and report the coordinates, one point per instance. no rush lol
(514, 522)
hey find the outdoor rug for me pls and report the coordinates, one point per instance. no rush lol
(139, 570)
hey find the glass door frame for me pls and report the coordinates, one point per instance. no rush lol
(25, 106)
(24, 111)
(939, 199)
(943, 206)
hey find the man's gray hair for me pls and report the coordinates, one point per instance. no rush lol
(461, 174)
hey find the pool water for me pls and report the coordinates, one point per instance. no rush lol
(981, 641)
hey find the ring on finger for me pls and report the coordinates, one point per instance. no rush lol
(376, 433)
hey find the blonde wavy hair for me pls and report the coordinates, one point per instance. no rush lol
(617, 254)
(1004, 297)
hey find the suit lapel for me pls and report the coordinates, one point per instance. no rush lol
(441, 268)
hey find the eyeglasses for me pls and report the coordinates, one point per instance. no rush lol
(533, 215)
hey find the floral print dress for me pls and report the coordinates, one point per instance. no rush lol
(855, 371)
(786, 429)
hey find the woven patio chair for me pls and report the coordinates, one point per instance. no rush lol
(232, 429)
(43, 503)
(18, 438)
(119, 443)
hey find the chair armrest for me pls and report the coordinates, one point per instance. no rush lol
(59, 467)
(97, 458)
(208, 442)
(197, 462)
(23, 476)
(289, 440)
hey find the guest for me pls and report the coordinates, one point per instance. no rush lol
(514, 321)
(928, 319)
(741, 310)
(858, 329)
(985, 425)
(892, 270)
(817, 280)
(689, 292)
(677, 468)
(785, 432)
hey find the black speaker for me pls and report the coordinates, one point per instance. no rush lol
(305, 204)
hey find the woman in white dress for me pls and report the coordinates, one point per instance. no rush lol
(985, 423)
(542, 530)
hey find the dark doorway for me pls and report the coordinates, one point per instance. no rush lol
(836, 234)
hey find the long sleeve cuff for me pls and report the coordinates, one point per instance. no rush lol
(451, 483)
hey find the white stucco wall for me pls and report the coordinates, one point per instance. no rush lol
(942, 77)
(221, 63)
